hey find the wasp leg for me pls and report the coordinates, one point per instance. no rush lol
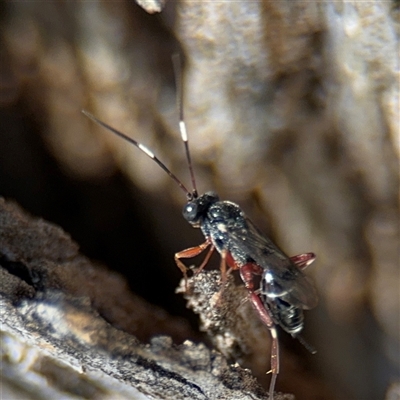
(302, 261)
(223, 268)
(247, 272)
(205, 261)
(190, 253)
(225, 260)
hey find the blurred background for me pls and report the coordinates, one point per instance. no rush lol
(292, 110)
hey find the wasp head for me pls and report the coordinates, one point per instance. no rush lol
(196, 208)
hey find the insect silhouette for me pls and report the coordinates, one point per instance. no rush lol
(277, 288)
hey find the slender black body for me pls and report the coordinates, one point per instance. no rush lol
(284, 289)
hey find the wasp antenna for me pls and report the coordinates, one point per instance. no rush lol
(176, 60)
(141, 147)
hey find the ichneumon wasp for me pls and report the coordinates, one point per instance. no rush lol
(277, 288)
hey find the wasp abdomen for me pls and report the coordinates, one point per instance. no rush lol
(289, 317)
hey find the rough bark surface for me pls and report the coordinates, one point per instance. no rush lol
(56, 342)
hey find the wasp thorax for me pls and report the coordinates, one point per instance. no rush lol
(194, 210)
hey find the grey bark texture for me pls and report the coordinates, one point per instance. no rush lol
(56, 342)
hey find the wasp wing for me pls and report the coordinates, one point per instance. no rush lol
(281, 277)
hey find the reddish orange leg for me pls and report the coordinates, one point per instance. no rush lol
(247, 272)
(227, 260)
(224, 273)
(205, 261)
(190, 253)
(223, 268)
(302, 261)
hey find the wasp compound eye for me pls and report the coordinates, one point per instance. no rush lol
(190, 212)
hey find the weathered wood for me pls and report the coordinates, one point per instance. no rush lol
(56, 342)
